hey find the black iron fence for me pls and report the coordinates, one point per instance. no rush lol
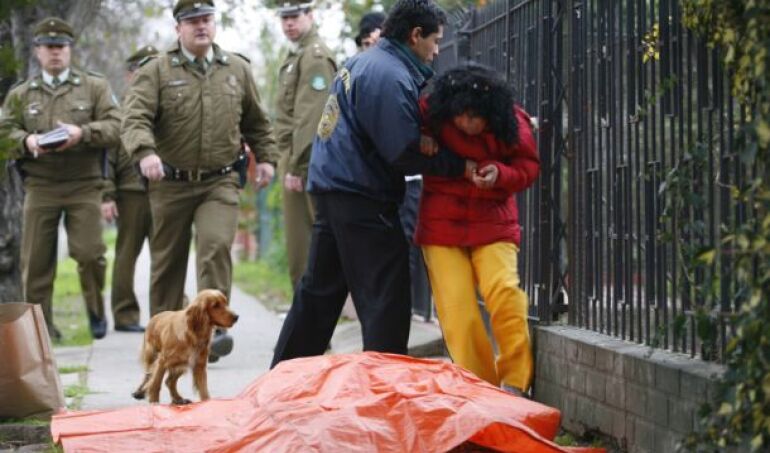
(622, 92)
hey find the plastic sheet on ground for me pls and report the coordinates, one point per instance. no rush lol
(365, 402)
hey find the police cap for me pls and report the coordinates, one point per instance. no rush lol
(186, 9)
(293, 7)
(53, 31)
(138, 56)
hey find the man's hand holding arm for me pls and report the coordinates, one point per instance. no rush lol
(395, 130)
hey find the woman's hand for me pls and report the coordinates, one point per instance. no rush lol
(428, 146)
(486, 176)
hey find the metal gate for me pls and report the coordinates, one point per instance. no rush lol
(622, 93)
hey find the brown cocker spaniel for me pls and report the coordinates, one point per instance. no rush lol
(176, 340)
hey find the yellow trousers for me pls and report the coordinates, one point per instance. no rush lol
(455, 273)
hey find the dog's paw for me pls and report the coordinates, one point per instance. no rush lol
(139, 395)
(181, 401)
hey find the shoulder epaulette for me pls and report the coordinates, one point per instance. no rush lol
(18, 83)
(242, 56)
(145, 60)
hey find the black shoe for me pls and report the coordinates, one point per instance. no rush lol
(221, 345)
(134, 328)
(98, 326)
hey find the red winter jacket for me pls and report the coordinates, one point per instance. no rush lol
(454, 212)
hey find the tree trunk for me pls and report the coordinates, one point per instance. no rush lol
(11, 197)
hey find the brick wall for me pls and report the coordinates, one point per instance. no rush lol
(647, 399)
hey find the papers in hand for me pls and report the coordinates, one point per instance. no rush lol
(53, 139)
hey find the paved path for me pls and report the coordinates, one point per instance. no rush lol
(115, 371)
(113, 362)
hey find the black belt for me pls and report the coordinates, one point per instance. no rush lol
(175, 174)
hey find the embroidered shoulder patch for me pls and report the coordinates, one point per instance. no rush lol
(318, 83)
(344, 75)
(329, 118)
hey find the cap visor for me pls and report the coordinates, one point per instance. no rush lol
(53, 40)
(202, 11)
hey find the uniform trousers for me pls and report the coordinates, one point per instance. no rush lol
(78, 203)
(357, 245)
(134, 226)
(455, 273)
(298, 228)
(211, 208)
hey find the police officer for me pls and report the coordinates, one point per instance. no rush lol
(64, 180)
(304, 80)
(125, 202)
(184, 117)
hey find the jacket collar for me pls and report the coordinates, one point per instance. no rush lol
(305, 40)
(73, 77)
(178, 57)
(420, 72)
(308, 37)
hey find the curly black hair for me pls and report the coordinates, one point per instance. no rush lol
(406, 15)
(478, 90)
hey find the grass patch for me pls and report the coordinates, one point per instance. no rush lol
(77, 392)
(565, 440)
(69, 311)
(69, 369)
(265, 281)
(32, 421)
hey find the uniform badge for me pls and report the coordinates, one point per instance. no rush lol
(344, 75)
(329, 118)
(318, 83)
(232, 80)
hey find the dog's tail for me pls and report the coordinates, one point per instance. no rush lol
(147, 355)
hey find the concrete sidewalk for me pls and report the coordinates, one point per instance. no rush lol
(114, 370)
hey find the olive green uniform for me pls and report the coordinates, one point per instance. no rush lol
(194, 119)
(64, 184)
(125, 188)
(304, 80)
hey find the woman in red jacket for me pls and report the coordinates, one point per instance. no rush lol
(469, 228)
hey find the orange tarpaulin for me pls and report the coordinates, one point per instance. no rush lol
(366, 402)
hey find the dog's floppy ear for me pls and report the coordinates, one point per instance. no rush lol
(198, 316)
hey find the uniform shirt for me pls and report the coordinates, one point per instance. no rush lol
(206, 60)
(83, 99)
(48, 78)
(304, 80)
(195, 121)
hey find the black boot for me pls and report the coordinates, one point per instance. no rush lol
(221, 345)
(98, 326)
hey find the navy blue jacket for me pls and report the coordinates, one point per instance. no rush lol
(369, 134)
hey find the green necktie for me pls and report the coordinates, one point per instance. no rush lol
(56, 82)
(200, 64)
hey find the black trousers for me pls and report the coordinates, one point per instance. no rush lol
(421, 294)
(357, 245)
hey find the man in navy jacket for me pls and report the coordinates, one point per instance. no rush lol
(367, 140)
